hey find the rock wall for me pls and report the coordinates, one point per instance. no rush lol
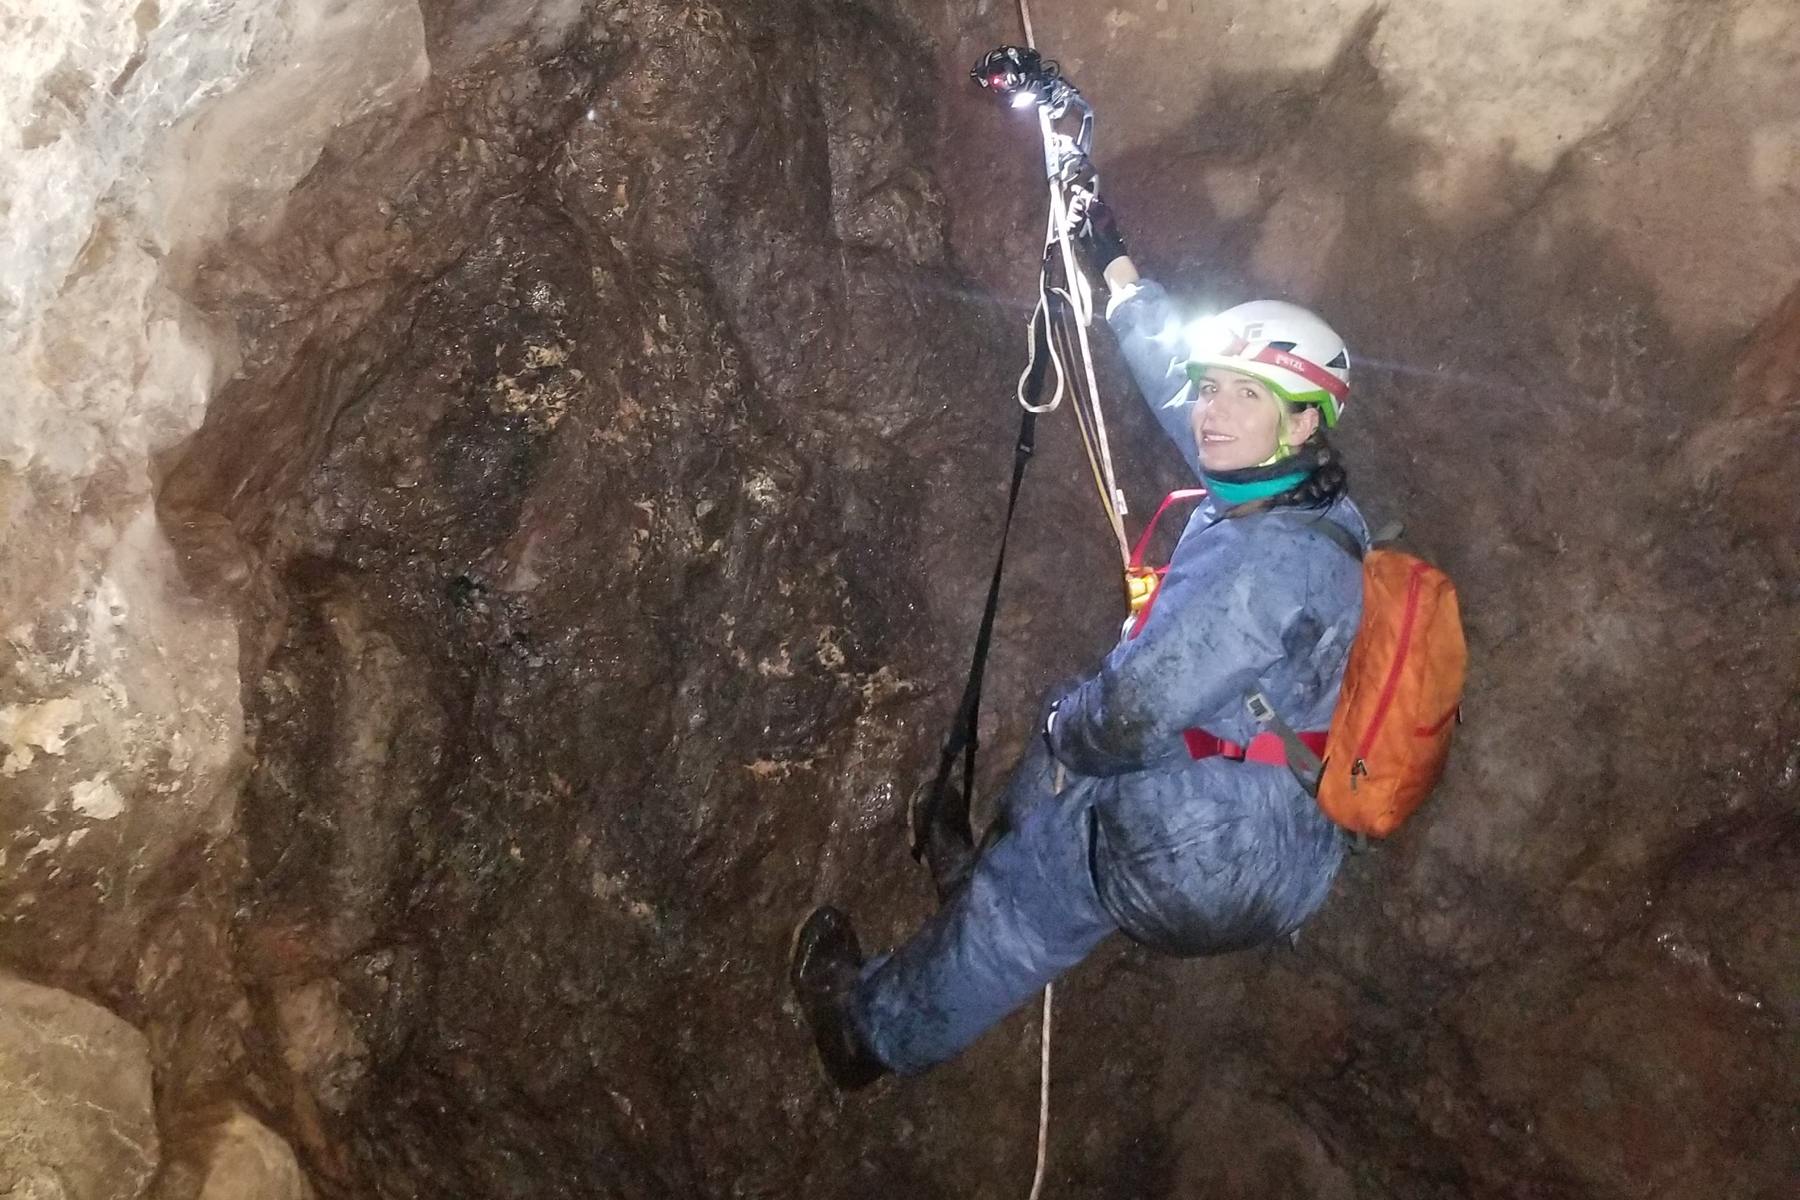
(603, 421)
(578, 540)
(1666, 127)
(132, 136)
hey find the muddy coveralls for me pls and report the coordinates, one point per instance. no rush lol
(1188, 856)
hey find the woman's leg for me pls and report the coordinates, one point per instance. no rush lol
(1032, 782)
(1028, 913)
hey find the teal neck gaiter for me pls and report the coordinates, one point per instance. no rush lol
(1244, 492)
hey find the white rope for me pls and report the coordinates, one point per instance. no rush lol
(1080, 295)
(1082, 301)
(1043, 1149)
(1084, 307)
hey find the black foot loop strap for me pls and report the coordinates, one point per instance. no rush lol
(941, 824)
(941, 830)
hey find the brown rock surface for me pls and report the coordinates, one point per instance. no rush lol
(76, 1119)
(248, 1162)
(227, 1154)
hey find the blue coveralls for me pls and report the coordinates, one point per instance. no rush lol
(1191, 857)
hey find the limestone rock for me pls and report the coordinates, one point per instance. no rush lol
(1671, 122)
(76, 1119)
(249, 1162)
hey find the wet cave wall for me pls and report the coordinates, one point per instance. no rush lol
(498, 499)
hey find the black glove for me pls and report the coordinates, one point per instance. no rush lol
(1095, 231)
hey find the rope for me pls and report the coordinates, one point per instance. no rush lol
(1077, 294)
(1099, 455)
(1043, 1147)
(1043, 1153)
(1077, 309)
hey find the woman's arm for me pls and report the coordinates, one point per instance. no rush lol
(1143, 318)
(1151, 337)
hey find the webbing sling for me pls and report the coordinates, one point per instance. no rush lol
(964, 739)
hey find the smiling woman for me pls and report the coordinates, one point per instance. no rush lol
(1155, 803)
(1265, 381)
(1239, 423)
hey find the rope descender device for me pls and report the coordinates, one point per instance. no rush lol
(1064, 313)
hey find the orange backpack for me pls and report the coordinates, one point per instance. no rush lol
(1400, 700)
(1402, 693)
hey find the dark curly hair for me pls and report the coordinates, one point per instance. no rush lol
(1324, 483)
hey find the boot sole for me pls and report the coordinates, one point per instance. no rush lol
(818, 1057)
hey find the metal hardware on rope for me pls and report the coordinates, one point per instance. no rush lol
(1065, 307)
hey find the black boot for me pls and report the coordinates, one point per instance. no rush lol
(825, 964)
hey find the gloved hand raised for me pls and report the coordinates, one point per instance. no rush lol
(1094, 230)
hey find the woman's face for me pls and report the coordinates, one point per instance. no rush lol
(1237, 421)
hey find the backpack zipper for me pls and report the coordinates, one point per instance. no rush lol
(1392, 683)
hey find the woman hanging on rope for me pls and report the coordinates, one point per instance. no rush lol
(1155, 802)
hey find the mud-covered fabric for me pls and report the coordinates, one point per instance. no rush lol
(1190, 857)
(1029, 912)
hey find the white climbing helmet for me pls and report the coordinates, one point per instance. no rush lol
(1299, 356)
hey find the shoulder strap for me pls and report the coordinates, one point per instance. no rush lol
(1307, 766)
(1316, 520)
(1342, 538)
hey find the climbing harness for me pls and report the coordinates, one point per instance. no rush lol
(1144, 581)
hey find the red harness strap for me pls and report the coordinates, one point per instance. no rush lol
(1263, 748)
(1151, 577)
